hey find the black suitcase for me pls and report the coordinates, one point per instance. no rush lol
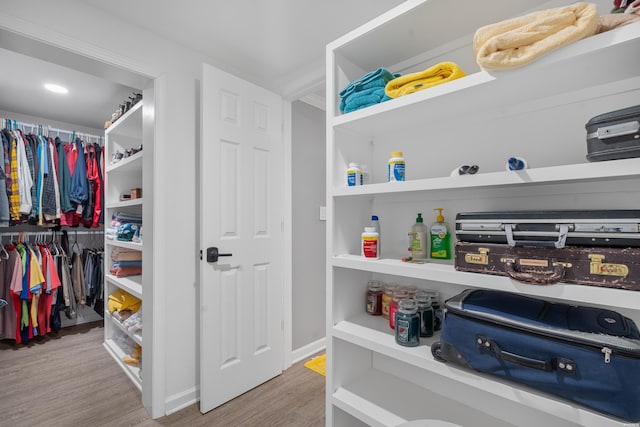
(551, 228)
(614, 135)
(588, 356)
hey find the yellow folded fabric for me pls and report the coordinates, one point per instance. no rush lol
(518, 41)
(432, 76)
(120, 300)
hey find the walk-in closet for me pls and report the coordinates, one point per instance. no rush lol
(70, 244)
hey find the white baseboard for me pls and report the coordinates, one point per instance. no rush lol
(181, 400)
(308, 350)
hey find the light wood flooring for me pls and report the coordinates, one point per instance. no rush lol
(71, 380)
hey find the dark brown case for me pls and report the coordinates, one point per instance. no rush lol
(592, 266)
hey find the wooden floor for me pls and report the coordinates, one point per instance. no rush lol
(71, 380)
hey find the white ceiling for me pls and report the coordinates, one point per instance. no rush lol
(270, 42)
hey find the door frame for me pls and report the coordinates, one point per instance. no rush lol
(82, 55)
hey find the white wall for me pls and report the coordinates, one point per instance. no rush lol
(308, 246)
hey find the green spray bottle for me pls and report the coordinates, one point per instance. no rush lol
(440, 238)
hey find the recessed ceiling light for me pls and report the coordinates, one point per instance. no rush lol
(55, 88)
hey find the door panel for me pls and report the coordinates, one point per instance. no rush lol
(241, 307)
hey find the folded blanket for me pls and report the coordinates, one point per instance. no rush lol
(518, 41)
(125, 271)
(432, 76)
(615, 20)
(364, 99)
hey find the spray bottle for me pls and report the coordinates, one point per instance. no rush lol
(440, 238)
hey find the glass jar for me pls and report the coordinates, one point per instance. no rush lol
(374, 297)
(387, 296)
(407, 323)
(426, 313)
(398, 294)
(411, 290)
(435, 303)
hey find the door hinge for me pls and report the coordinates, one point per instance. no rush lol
(200, 254)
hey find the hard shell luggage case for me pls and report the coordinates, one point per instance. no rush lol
(614, 135)
(592, 266)
(551, 228)
(589, 356)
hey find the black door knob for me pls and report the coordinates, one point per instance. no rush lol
(213, 254)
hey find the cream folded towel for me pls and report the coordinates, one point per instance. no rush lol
(518, 41)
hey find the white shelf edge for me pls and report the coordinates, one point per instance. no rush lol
(364, 410)
(122, 164)
(420, 357)
(131, 284)
(582, 172)
(128, 245)
(133, 372)
(119, 325)
(469, 81)
(448, 274)
(123, 119)
(125, 203)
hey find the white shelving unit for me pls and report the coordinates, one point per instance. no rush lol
(538, 112)
(122, 177)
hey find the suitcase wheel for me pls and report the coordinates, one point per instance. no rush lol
(436, 351)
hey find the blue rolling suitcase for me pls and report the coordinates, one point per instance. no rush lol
(588, 356)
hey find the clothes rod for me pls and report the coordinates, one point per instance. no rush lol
(40, 129)
(35, 233)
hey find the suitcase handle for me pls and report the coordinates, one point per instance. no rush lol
(562, 364)
(535, 278)
(558, 244)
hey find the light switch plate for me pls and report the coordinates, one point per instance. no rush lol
(323, 213)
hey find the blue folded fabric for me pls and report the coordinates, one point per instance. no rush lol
(126, 264)
(372, 80)
(363, 99)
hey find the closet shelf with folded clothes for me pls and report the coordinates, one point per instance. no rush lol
(492, 89)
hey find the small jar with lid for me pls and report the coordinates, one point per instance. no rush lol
(387, 297)
(426, 313)
(407, 323)
(398, 294)
(435, 303)
(374, 297)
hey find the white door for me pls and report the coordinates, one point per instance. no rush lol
(241, 212)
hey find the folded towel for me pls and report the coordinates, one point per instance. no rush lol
(432, 76)
(363, 99)
(364, 86)
(518, 41)
(377, 78)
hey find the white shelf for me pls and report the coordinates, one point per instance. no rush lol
(135, 337)
(129, 124)
(128, 164)
(373, 333)
(483, 91)
(133, 372)
(538, 110)
(381, 399)
(128, 245)
(125, 203)
(131, 284)
(583, 172)
(586, 295)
